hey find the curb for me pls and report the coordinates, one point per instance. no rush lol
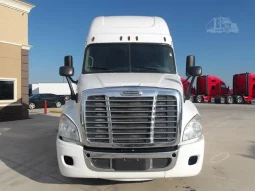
(55, 111)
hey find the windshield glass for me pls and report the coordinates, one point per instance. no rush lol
(120, 57)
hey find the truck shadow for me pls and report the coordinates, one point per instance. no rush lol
(28, 147)
(252, 151)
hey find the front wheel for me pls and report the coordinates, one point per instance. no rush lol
(230, 99)
(58, 104)
(31, 106)
(239, 99)
(199, 99)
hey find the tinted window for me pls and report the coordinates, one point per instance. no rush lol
(36, 96)
(6, 90)
(51, 96)
(153, 58)
(223, 86)
(129, 58)
(105, 57)
(43, 96)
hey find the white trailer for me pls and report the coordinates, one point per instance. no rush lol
(54, 88)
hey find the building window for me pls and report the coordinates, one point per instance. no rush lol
(7, 90)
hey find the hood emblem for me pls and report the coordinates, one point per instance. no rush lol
(131, 93)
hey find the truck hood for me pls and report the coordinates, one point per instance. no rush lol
(103, 80)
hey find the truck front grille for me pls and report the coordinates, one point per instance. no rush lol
(131, 121)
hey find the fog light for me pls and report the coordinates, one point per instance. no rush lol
(193, 160)
(68, 160)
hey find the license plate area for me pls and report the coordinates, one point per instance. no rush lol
(130, 164)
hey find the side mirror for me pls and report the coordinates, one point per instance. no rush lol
(190, 61)
(194, 71)
(68, 61)
(191, 71)
(66, 71)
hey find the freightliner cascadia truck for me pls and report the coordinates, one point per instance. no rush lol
(129, 119)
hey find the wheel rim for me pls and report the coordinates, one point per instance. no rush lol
(230, 100)
(198, 99)
(239, 100)
(31, 106)
(58, 104)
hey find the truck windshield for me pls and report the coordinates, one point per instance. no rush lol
(129, 57)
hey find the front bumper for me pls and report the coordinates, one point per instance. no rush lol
(82, 169)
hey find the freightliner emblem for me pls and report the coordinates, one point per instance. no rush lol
(131, 93)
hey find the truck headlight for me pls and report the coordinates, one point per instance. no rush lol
(193, 129)
(67, 129)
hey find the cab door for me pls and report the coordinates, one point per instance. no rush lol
(253, 91)
(223, 89)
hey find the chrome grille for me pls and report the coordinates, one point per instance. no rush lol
(131, 121)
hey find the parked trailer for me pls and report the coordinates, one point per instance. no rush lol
(212, 89)
(53, 88)
(244, 88)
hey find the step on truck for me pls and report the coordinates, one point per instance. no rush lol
(211, 89)
(128, 118)
(244, 88)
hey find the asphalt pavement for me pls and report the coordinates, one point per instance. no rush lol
(28, 156)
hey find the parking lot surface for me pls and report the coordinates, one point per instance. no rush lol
(28, 156)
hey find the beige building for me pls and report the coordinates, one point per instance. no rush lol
(14, 53)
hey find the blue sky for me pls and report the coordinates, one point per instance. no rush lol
(58, 28)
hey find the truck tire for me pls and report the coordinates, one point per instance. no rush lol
(229, 99)
(192, 99)
(239, 99)
(199, 99)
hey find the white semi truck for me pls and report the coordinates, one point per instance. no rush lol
(129, 118)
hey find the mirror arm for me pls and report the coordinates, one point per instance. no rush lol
(187, 95)
(186, 80)
(73, 95)
(75, 82)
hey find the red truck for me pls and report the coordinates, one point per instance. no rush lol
(244, 88)
(212, 89)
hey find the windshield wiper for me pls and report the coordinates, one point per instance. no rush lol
(99, 68)
(147, 68)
